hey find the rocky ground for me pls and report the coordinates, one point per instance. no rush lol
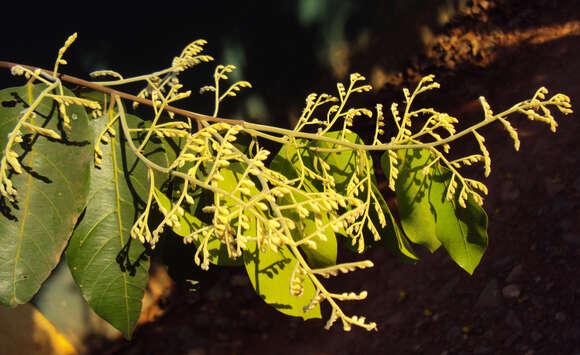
(525, 296)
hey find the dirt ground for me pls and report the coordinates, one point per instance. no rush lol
(524, 298)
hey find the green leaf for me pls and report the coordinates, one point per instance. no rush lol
(111, 268)
(463, 231)
(412, 189)
(326, 250)
(232, 176)
(218, 253)
(187, 223)
(52, 191)
(289, 163)
(286, 161)
(391, 235)
(428, 219)
(270, 274)
(172, 146)
(342, 164)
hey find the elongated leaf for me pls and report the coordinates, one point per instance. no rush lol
(391, 235)
(463, 231)
(429, 219)
(412, 189)
(289, 163)
(342, 164)
(232, 176)
(270, 274)
(326, 250)
(52, 190)
(111, 268)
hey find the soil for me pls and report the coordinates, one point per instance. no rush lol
(524, 298)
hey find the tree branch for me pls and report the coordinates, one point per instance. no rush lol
(124, 95)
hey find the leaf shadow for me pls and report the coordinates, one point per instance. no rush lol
(275, 268)
(27, 144)
(129, 169)
(270, 271)
(48, 116)
(6, 209)
(416, 177)
(124, 260)
(280, 306)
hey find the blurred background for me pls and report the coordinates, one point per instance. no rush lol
(286, 49)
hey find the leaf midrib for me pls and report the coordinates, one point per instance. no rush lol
(120, 222)
(21, 231)
(459, 224)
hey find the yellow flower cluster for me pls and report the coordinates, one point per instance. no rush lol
(298, 208)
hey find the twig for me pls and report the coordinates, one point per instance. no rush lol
(124, 95)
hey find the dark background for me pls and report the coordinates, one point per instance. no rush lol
(286, 49)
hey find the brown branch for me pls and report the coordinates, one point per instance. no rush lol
(124, 95)
(253, 128)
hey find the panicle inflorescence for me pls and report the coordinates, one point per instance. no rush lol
(253, 203)
(440, 127)
(10, 162)
(163, 87)
(326, 187)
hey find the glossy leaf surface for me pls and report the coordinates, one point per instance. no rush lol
(111, 268)
(463, 231)
(428, 219)
(52, 190)
(326, 250)
(391, 235)
(412, 189)
(270, 274)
